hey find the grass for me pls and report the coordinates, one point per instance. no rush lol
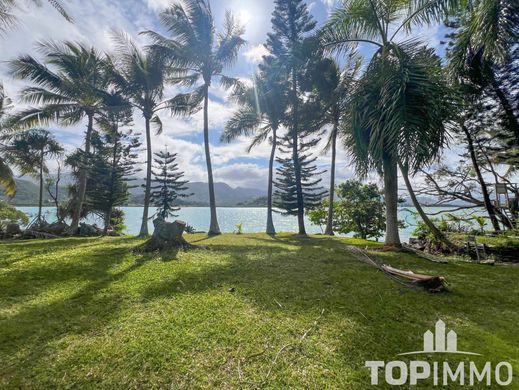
(252, 312)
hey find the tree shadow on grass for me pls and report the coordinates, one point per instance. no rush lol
(26, 335)
(318, 273)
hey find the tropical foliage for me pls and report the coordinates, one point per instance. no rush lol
(198, 55)
(394, 108)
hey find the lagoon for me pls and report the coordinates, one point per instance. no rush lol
(253, 219)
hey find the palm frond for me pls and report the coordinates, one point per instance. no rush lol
(7, 179)
(230, 41)
(244, 122)
(158, 124)
(186, 104)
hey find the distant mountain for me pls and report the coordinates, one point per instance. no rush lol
(226, 196)
(27, 194)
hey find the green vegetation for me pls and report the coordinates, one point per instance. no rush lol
(359, 210)
(9, 214)
(87, 313)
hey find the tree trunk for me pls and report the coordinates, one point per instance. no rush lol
(109, 206)
(144, 224)
(214, 228)
(295, 157)
(391, 199)
(511, 119)
(40, 200)
(270, 222)
(83, 175)
(484, 190)
(425, 218)
(329, 224)
(166, 236)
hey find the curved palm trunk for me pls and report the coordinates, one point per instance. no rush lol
(214, 229)
(270, 222)
(295, 158)
(425, 218)
(83, 174)
(329, 223)
(484, 190)
(144, 225)
(391, 199)
(40, 200)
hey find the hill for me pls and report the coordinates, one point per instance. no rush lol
(27, 194)
(226, 196)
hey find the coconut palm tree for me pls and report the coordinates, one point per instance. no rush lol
(29, 151)
(198, 54)
(6, 174)
(67, 87)
(333, 88)
(399, 108)
(141, 76)
(262, 111)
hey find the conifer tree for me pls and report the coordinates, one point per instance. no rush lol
(112, 166)
(291, 27)
(167, 185)
(286, 196)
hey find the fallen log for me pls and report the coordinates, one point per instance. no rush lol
(38, 235)
(432, 284)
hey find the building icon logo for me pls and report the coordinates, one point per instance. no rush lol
(439, 370)
(440, 342)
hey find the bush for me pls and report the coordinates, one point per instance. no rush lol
(360, 210)
(9, 214)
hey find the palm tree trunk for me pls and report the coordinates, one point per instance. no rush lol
(295, 157)
(270, 222)
(40, 200)
(83, 174)
(391, 199)
(484, 189)
(214, 228)
(329, 225)
(149, 155)
(425, 218)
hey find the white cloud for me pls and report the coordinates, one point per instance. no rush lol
(242, 175)
(255, 54)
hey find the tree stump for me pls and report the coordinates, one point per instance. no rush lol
(167, 235)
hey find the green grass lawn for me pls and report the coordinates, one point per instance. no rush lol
(304, 313)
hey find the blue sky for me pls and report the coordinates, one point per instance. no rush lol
(94, 20)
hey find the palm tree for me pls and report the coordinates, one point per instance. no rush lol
(261, 113)
(488, 32)
(7, 19)
(6, 174)
(199, 55)
(398, 111)
(29, 150)
(333, 89)
(69, 86)
(140, 77)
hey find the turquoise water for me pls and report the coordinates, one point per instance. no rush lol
(253, 219)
